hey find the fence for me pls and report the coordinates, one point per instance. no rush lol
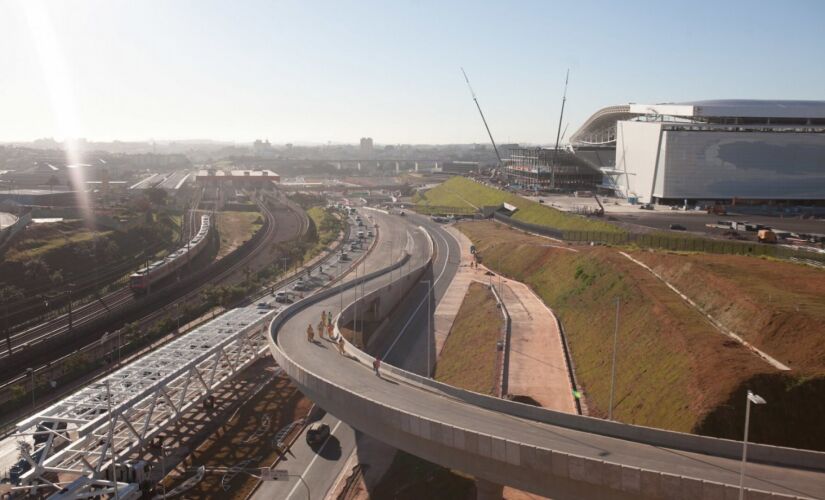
(441, 210)
(666, 241)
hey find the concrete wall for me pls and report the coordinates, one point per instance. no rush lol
(636, 147)
(522, 465)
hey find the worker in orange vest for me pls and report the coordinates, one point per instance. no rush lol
(310, 333)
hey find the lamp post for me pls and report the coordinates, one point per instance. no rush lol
(30, 372)
(613, 367)
(111, 438)
(429, 306)
(757, 400)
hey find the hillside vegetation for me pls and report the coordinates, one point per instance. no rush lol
(674, 369)
(464, 194)
(468, 359)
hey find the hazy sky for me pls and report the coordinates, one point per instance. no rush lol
(335, 71)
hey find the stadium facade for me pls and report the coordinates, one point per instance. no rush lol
(747, 150)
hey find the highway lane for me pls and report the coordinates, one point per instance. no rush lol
(318, 469)
(432, 405)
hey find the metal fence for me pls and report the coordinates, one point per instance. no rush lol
(665, 241)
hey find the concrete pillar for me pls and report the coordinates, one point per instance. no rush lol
(396, 167)
(416, 166)
(485, 490)
(359, 166)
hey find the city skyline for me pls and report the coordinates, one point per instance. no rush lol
(334, 73)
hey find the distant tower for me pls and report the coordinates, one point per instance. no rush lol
(366, 145)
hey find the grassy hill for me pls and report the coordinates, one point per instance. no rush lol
(674, 369)
(467, 195)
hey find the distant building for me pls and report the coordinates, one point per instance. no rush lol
(261, 148)
(366, 145)
(237, 177)
(708, 150)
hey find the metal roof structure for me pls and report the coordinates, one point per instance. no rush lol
(118, 415)
(600, 128)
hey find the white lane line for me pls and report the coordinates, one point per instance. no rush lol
(312, 462)
(440, 275)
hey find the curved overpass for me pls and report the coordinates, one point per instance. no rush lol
(541, 451)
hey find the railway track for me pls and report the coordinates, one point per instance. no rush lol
(117, 300)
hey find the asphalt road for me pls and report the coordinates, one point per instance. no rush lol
(320, 467)
(327, 363)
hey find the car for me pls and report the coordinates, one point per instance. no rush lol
(264, 305)
(360, 234)
(646, 206)
(402, 214)
(678, 227)
(317, 433)
(281, 296)
(369, 234)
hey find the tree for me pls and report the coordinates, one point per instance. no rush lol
(52, 182)
(35, 268)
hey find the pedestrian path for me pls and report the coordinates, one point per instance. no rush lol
(537, 367)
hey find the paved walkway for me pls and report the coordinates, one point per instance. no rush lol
(538, 368)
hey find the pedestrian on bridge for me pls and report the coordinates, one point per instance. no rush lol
(321, 329)
(376, 364)
(329, 317)
(323, 317)
(341, 350)
(330, 330)
(310, 333)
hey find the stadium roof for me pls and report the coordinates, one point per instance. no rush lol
(600, 128)
(735, 108)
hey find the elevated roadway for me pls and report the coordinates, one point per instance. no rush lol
(501, 442)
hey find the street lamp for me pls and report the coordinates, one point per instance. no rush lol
(757, 400)
(429, 307)
(30, 372)
(613, 367)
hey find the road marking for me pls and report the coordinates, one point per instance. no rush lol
(404, 328)
(312, 462)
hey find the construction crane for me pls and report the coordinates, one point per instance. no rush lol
(475, 99)
(558, 134)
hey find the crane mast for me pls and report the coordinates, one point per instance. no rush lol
(490, 134)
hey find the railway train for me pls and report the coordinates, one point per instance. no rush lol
(141, 281)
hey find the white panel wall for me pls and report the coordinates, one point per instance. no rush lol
(636, 145)
(752, 165)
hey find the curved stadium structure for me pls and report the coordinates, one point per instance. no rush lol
(708, 150)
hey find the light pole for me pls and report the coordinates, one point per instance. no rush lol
(757, 400)
(613, 368)
(429, 307)
(30, 372)
(111, 439)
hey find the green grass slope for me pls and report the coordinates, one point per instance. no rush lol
(468, 195)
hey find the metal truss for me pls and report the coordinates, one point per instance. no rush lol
(90, 433)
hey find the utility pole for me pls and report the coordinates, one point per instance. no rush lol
(613, 369)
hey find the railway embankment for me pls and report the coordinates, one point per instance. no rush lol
(675, 370)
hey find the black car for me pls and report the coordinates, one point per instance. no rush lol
(678, 227)
(317, 433)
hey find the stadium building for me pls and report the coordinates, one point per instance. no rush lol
(725, 150)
